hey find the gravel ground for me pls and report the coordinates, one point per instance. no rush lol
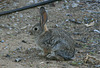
(79, 18)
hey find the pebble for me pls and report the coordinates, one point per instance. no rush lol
(91, 24)
(88, 20)
(13, 17)
(24, 27)
(99, 41)
(77, 33)
(75, 21)
(74, 5)
(10, 28)
(7, 55)
(21, 15)
(59, 9)
(36, 1)
(67, 7)
(19, 48)
(98, 52)
(67, 20)
(6, 47)
(31, 1)
(2, 41)
(29, 16)
(96, 31)
(41, 62)
(18, 59)
(15, 4)
(68, 14)
(65, 1)
(17, 20)
(97, 66)
(84, 40)
(24, 41)
(57, 25)
(0, 30)
(78, 1)
(8, 33)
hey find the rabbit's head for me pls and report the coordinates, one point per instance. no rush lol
(40, 27)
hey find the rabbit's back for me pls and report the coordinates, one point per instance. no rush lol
(53, 35)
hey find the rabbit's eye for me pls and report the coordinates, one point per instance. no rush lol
(35, 29)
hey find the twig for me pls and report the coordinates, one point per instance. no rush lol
(27, 7)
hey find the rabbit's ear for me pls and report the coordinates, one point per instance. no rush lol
(43, 17)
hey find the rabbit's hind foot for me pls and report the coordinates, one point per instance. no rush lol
(52, 56)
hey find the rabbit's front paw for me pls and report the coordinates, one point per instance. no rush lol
(51, 55)
(54, 57)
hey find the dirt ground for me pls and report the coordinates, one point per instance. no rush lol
(80, 19)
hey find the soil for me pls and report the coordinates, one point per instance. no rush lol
(80, 19)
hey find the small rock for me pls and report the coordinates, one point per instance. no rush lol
(78, 1)
(77, 33)
(67, 20)
(75, 21)
(17, 20)
(67, 7)
(65, 1)
(0, 30)
(84, 40)
(63, 6)
(18, 49)
(18, 59)
(15, 25)
(88, 25)
(24, 27)
(81, 51)
(31, 1)
(97, 66)
(8, 33)
(10, 28)
(2, 41)
(99, 41)
(96, 31)
(21, 15)
(24, 41)
(98, 52)
(15, 4)
(7, 55)
(36, 1)
(13, 17)
(41, 62)
(68, 14)
(6, 47)
(74, 5)
(89, 21)
(59, 9)
(29, 16)
(57, 25)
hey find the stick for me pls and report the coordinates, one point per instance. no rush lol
(27, 7)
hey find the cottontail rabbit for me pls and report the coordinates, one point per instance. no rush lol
(56, 43)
